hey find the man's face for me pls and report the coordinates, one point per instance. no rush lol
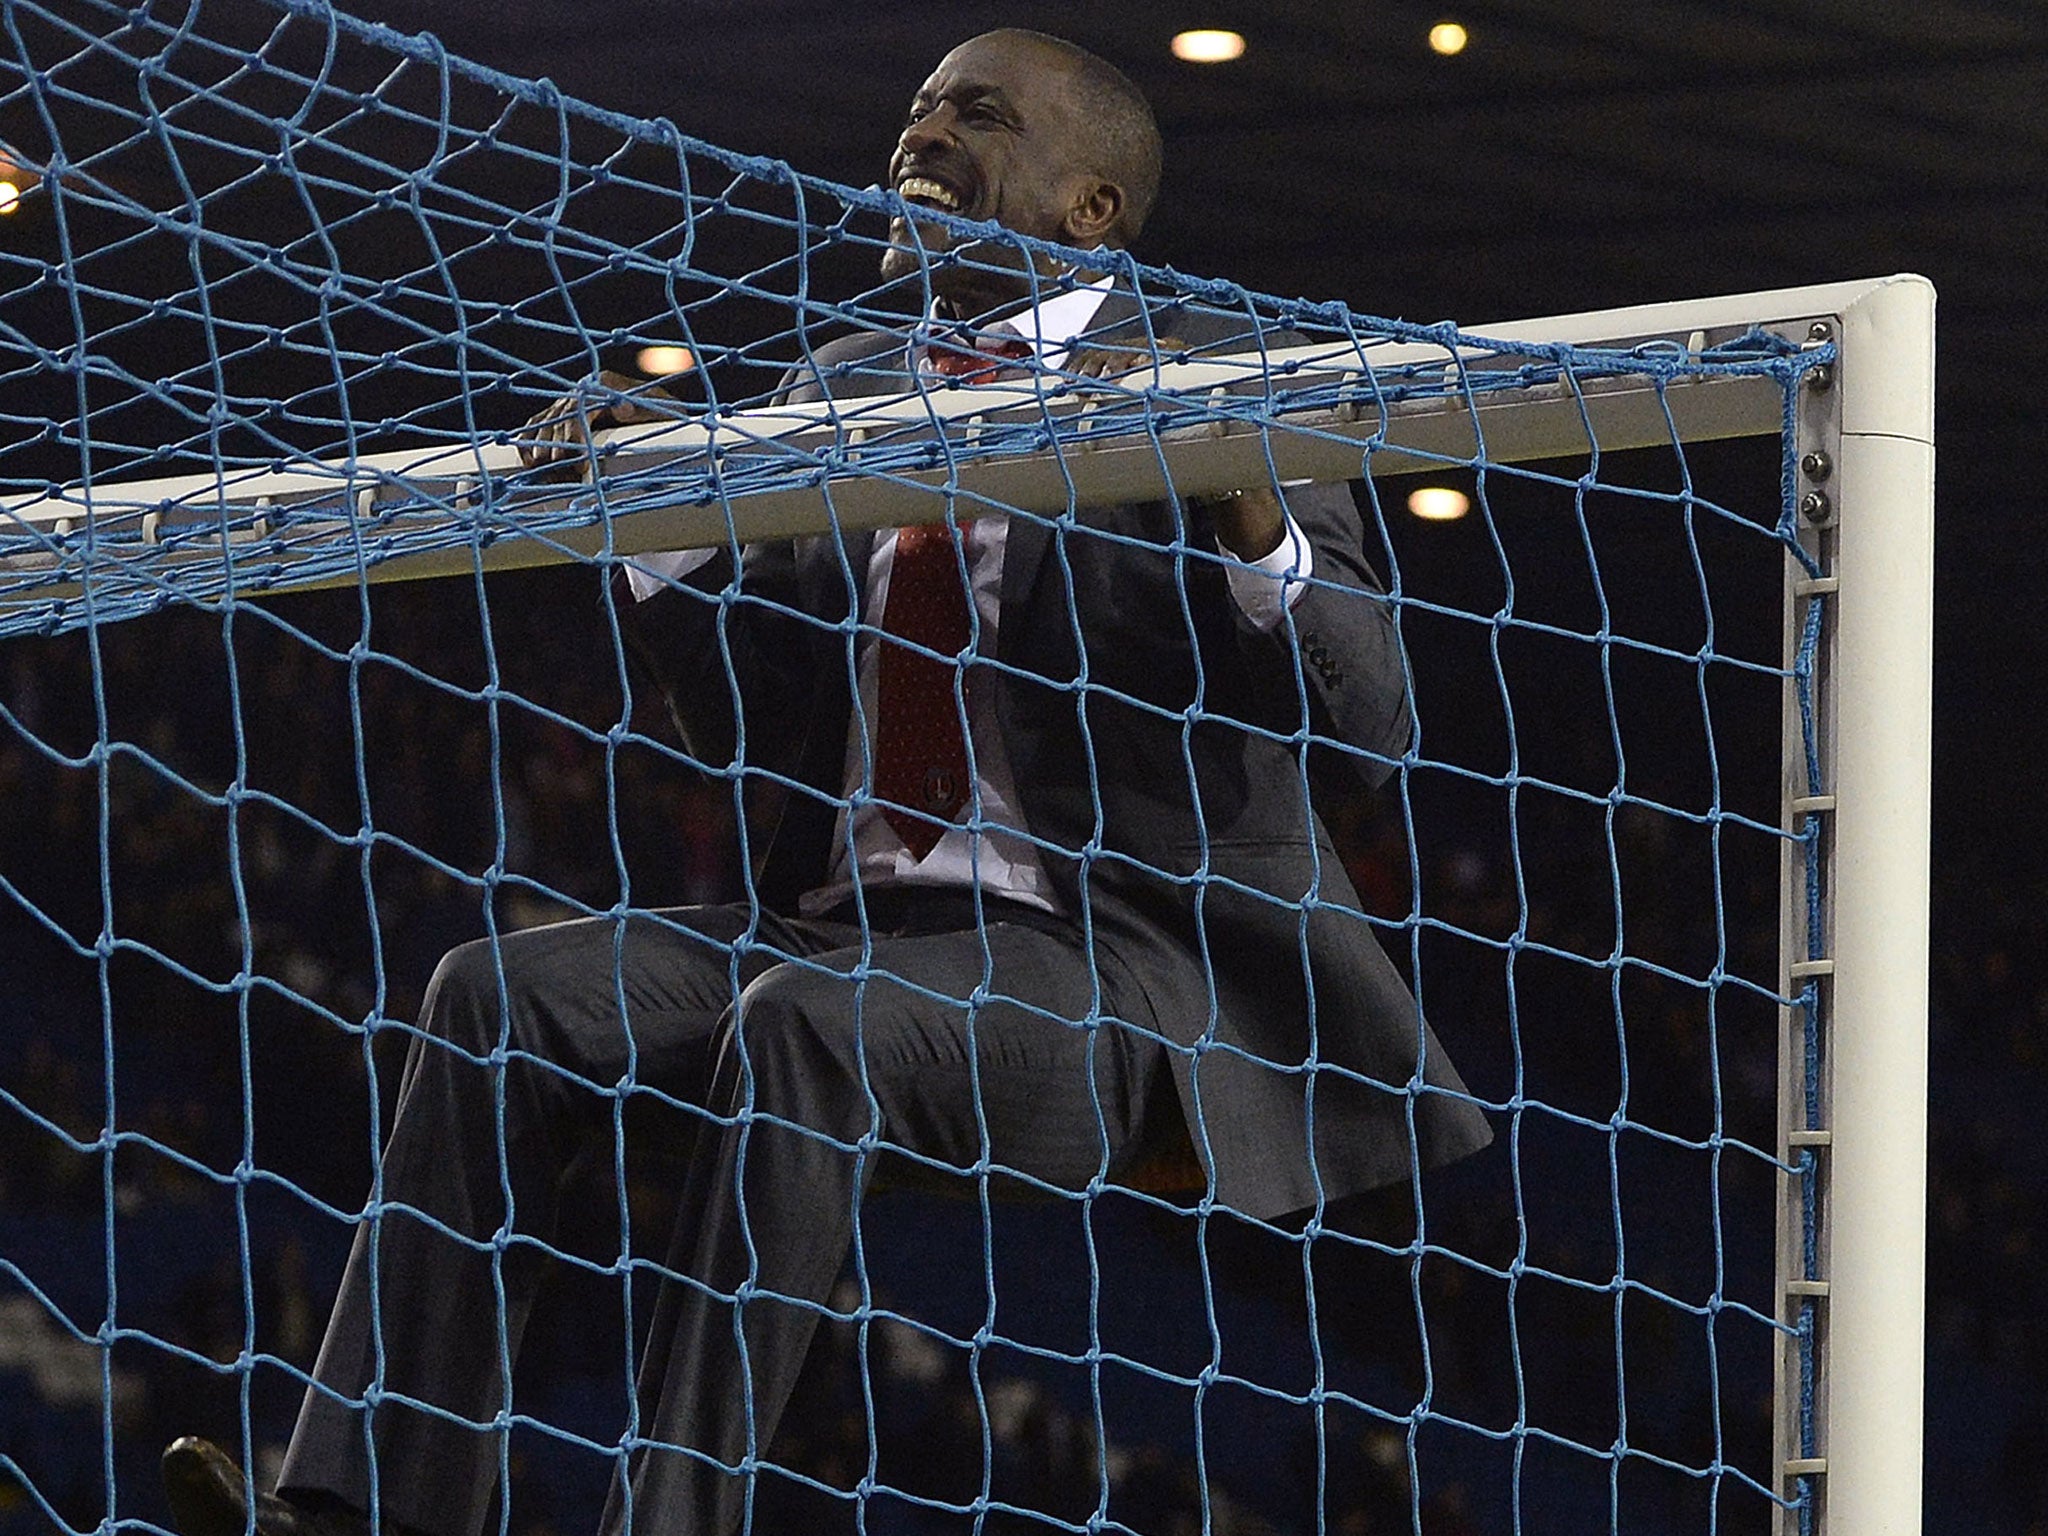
(993, 135)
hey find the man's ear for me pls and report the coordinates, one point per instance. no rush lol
(1094, 214)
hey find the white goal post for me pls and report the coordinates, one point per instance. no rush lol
(1852, 1047)
(1865, 959)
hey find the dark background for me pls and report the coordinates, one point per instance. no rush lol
(1574, 157)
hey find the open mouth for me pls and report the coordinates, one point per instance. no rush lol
(924, 192)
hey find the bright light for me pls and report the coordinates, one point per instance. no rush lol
(1439, 503)
(10, 197)
(1447, 38)
(661, 362)
(1207, 45)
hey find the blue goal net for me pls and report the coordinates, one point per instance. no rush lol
(654, 881)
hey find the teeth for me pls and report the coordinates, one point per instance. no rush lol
(923, 189)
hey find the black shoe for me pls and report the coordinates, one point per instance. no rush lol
(210, 1496)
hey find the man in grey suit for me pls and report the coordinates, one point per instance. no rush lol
(1078, 911)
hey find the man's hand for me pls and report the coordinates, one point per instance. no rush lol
(556, 440)
(1249, 524)
(1093, 362)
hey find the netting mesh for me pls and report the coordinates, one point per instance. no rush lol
(283, 290)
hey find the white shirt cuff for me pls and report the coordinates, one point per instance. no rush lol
(1267, 587)
(649, 574)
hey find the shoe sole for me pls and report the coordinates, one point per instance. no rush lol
(200, 1503)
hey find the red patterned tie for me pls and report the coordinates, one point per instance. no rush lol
(983, 364)
(920, 750)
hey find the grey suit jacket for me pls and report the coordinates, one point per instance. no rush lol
(1146, 721)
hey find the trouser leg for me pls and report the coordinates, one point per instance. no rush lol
(521, 1049)
(818, 1066)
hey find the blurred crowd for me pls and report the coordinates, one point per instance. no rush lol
(203, 973)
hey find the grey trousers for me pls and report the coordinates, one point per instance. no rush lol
(805, 1053)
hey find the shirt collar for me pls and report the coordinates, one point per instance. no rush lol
(1053, 323)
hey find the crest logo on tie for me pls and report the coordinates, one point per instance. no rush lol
(939, 788)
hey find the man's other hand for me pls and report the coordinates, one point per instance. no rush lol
(556, 440)
(1093, 362)
(1249, 523)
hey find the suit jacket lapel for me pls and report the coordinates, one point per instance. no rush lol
(824, 572)
(1030, 535)
(1023, 553)
(1119, 313)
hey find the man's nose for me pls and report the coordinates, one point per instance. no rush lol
(935, 125)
